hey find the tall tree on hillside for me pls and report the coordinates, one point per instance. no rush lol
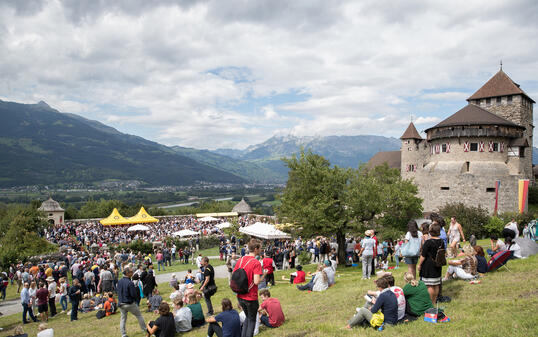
(324, 200)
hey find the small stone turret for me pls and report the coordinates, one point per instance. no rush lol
(411, 154)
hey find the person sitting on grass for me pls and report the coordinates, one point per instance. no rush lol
(512, 245)
(231, 324)
(416, 295)
(176, 293)
(18, 332)
(197, 312)
(497, 245)
(319, 282)
(111, 305)
(45, 331)
(481, 263)
(87, 304)
(189, 278)
(182, 316)
(465, 268)
(386, 302)
(298, 276)
(270, 310)
(164, 326)
(154, 301)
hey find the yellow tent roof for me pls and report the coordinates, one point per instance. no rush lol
(115, 218)
(216, 215)
(142, 217)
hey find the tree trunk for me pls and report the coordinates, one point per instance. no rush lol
(341, 240)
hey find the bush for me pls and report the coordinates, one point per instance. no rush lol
(141, 246)
(494, 226)
(473, 219)
(389, 233)
(521, 219)
(305, 258)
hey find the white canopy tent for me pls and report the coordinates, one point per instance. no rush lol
(185, 232)
(138, 228)
(264, 231)
(224, 225)
(208, 219)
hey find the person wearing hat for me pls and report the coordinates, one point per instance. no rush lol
(52, 295)
(367, 253)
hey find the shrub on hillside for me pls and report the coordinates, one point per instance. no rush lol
(521, 219)
(473, 219)
(494, 225)
(305, 258)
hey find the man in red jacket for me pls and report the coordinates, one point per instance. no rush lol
(269, 266)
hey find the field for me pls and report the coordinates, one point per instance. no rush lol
(504, 304)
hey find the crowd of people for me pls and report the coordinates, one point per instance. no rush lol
(97, 284)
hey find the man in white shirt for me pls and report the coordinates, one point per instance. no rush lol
(52, 296)
(512, 225)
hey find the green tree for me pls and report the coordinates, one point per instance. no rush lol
(324, 200)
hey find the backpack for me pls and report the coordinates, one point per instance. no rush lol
(113, 307)
(440, 257)
(100, 314)
(239, 280)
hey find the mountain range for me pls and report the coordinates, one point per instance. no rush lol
(42, 146)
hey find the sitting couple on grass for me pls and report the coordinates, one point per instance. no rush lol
(396, 304)
(322, 279)
(270, 313)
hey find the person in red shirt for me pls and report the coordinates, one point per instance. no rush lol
(270, 310)
(299, 276)
(249, 301)
(268, 266)
(42, 296)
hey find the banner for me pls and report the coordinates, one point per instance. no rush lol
(523, 195)
(497, 186)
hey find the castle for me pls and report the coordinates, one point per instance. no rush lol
(463, 156)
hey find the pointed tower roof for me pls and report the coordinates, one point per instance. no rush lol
(411, 132)
(499, 85)
(242, 207)
(50, 206)
(474, 115)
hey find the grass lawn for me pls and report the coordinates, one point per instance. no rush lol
(180, 266)
(504, 304)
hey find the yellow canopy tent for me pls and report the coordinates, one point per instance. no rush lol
(115, 218)
(142, 217)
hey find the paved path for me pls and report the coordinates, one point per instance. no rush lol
(14, 306)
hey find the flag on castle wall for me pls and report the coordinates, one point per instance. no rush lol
(523, 195)
(497, 187)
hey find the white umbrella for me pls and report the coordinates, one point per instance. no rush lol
(224, 225)
(264, 231)
(138, 228)
(208, 219)
(185, 232)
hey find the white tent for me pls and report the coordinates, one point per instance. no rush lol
(224, 225)
(264, 231)
(208, 219)
(138, 228)
(185, 232)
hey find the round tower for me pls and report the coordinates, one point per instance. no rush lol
(411, 153)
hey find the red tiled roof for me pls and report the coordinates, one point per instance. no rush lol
(392, 158)
(499, 85)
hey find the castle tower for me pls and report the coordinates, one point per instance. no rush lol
(503, 97)
(412, 158)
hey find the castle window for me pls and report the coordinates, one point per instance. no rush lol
(495, 147)
(409, 149)
(498, 101)
(443, 148)
(509, 99)
(467, 166)
(474, 147)
(477, 102)
(521, 152)
(490, 189)
(488, 101)
(445, 188)
(513, 151)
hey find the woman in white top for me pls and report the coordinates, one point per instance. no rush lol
(413, 237)
(321, 281)
(455, 234)
(367, 253)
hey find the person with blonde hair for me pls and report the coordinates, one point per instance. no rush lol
(416, 295)
(19, 332)
(465, 268)
(45, 331)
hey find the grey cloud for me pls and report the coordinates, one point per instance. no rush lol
(23, 7)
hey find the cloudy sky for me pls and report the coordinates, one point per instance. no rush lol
(231, 73)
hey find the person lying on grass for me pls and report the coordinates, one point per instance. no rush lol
(164, 326)
(416, 295)
(386, 302)
(231, 324)
(464, 268)
(270, 310)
